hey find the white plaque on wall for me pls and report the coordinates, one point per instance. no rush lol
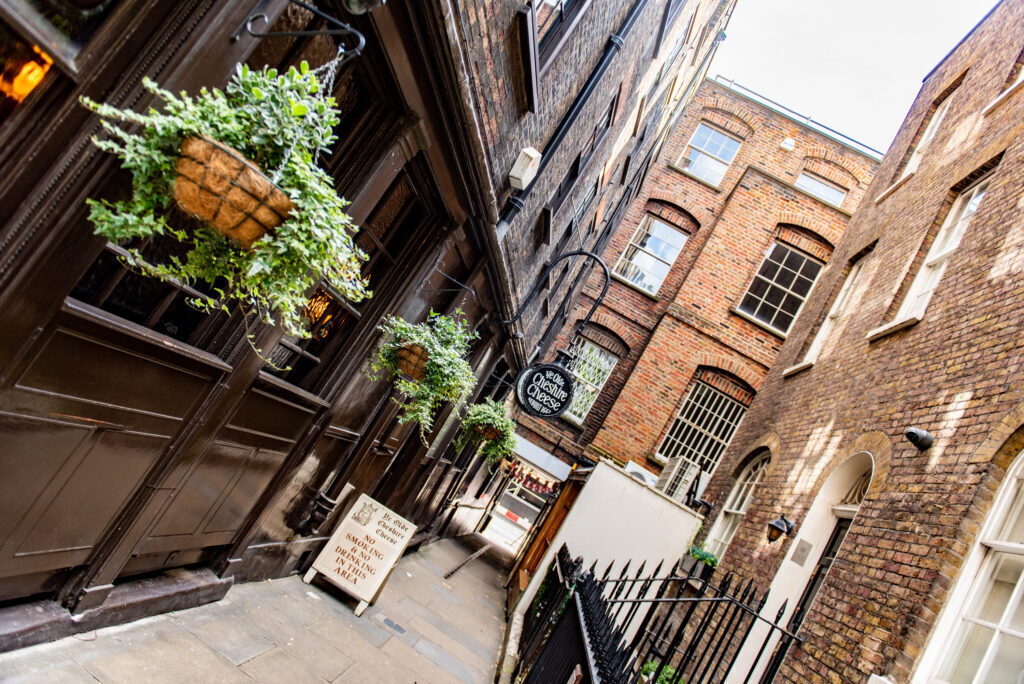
(363, 549)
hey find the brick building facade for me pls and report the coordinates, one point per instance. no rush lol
(592, 87)
(140, 436)
(738, 180)
(905, 561)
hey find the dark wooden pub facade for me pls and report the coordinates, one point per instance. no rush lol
(138, 436)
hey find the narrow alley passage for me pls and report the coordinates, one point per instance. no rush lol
(423, 629)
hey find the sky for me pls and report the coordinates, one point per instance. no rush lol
(853, 66)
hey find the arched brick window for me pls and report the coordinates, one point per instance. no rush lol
(714, 405)
(736, 505)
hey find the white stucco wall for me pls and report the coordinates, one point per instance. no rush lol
(616, 517)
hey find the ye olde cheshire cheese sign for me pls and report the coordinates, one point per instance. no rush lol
(545, 390)
(362, 551)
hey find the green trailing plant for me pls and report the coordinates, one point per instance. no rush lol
(705, 557)
(281, 122)
(667, 676)
(480, 417)
(447, 374)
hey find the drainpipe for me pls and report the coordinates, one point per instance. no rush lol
(616, 41)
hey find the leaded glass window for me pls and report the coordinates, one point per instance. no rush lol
(590, 367)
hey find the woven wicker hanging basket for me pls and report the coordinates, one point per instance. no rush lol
(488, 432)
(217, 184)
(412, 360)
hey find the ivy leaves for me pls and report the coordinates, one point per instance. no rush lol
(488, 413)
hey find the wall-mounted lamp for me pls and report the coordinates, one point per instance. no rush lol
(362, 6)
(702, 504)
(922, 439)
(779, 527)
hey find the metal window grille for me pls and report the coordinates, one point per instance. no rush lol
(780, 287)
(699, 435)
(591, 367)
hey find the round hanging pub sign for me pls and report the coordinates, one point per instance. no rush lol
(545, 390)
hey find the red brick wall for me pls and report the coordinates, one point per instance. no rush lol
(956, 373)
(730, 228)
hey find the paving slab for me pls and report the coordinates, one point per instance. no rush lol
(424, 629)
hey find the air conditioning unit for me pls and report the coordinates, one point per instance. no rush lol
(525, 169)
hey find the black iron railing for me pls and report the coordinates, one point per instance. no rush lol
(646, 626)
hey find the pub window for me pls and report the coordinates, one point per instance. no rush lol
(155, 304)
(26, 26)
(64, 26)
(330, 317)
(591, 366)
(22, 68)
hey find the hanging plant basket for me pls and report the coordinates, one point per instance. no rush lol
(488, 432)
(488, 426)
(412, 360)
(244, 161)
(427, 362)
(216, 184)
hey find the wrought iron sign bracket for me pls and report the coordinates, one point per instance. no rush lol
(546, 390)
(586, 319)
(335, 27)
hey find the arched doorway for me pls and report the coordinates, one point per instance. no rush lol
(819, 536)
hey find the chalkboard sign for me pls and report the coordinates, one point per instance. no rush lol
(545, 390)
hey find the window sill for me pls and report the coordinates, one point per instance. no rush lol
(696, 178)
(894, 187)
(760, 324)
(1003, 97)
(632, 286)
(572, 421)
(889, 328)
(793, 370)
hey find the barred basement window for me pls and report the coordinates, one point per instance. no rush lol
(699, 435)
(591, 367)
(736, 505)
(780, 287)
